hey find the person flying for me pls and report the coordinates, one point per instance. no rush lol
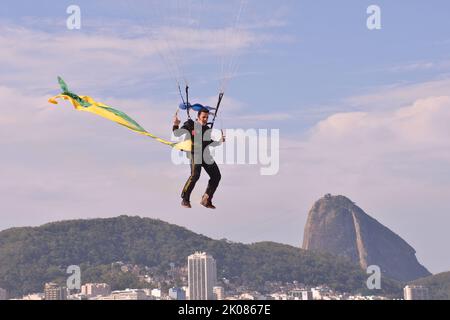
(200, 157)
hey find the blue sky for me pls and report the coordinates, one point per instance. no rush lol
(330, 53)
(362, 113)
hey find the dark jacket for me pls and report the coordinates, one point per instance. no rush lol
(195, 129)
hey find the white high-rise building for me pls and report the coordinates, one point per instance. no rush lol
(416, 293)
(202, 276)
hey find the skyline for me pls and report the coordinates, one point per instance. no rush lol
(288, 291)
(362, 113)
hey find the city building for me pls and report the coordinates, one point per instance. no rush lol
(416, 293)
(186, 291)
(34, 296)
(316, 293)
(300, 294)
(156, 293)
(219, 293)
(202, 276)
(53, 291)
(279, 296)
(247, 296)
(307, 295)
(95, 289)
(3, 294)
(78, 297)
(295, 294)
(128, 294)
(177, 294)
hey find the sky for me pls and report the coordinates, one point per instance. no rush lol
(361, 113)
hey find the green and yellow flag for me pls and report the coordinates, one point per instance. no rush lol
(86, 103)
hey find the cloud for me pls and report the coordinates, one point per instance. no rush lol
(398, 95)
(424, 122)
(422, 66)
(71, 166)
(394, 163)
(32, 59)
(117, 54)
(416, 66)
(409, 143)
(58, 163)
(382, 153)
(391, 156)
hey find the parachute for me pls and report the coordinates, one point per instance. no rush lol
(188, 35)
(172, 28)
(88, 104)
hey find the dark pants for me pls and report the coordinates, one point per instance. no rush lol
(214, 178)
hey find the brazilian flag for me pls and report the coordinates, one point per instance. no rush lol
(88, 104)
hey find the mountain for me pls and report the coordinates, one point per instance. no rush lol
(438, 285)
(336, 225)
(32, 256)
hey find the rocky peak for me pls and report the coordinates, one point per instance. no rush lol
(338, 226)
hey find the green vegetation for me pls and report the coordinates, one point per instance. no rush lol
(32, 256)
(438, 285)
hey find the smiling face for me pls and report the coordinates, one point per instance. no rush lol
(203, 117)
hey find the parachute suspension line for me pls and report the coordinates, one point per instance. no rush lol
(187, 102)
(169, 26)
(225, 50)
(238, 32)
(227, 74)
(221, 94)
(159, 40)
(177, 34)
(193, 11)
(232, 63)
(152, 38)
(182, 13)
(181, 94)
(187, 95)
(165, 38)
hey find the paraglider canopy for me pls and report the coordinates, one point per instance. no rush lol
(196, 107)
(184, 31)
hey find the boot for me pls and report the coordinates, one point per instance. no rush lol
(186, 204)
(206, 202)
